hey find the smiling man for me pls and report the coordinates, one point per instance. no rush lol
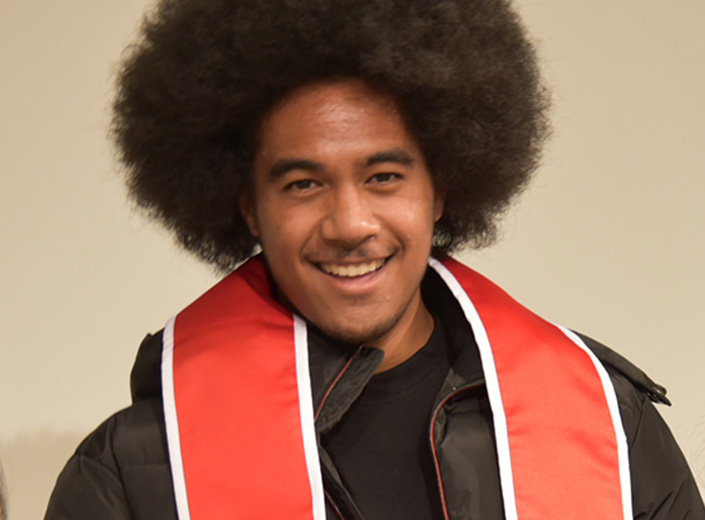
(332, 155)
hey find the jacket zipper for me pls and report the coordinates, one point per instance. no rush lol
(332, 504)
(328, 498)
(436, 462)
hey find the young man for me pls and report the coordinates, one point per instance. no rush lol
(342, 373)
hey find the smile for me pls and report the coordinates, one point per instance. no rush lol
(352, 270)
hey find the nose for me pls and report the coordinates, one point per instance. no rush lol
(350, 219)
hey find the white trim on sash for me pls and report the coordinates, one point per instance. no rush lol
(492, 383)
(171, 421)
(613, 405)
(308, 428)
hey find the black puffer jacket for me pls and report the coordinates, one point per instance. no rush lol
(121, 471)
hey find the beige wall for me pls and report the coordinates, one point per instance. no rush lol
(609, 239)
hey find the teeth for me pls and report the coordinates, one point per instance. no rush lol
(349, 271)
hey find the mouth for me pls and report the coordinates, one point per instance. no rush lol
(352, 270)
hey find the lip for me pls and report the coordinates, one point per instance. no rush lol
(353, 285)
(350, 269)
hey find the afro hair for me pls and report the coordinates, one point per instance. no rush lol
(195, 86)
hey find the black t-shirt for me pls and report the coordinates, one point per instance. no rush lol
(382, 446)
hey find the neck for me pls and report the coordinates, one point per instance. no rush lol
(409, 335)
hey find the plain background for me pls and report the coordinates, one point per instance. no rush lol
(608, 240)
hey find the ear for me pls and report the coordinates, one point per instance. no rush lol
(438, 203)
(247, 210)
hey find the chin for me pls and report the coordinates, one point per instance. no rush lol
(367, 335)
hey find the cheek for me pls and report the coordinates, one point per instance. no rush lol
(285, 231)
(414, 217)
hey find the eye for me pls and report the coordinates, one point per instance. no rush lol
(384, 178)
(301, 185)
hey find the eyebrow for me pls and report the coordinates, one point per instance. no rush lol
(283, 166)
(394, 155)
(286, 164)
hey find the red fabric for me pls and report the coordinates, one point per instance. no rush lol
(562, 442)
(237, 404)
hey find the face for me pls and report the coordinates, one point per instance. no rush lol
(344, 209)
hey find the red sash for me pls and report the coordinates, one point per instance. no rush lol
(239, 415)
(238, 407)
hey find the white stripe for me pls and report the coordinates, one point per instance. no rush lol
(492, 383)
(308, 428)
(613, 405)
(172, 424)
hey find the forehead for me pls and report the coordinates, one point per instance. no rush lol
(329, 117)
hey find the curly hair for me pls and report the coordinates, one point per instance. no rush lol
(194, 88)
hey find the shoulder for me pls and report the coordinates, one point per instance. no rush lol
(114, 442)
(663, 486)
(621, 369)
(635, 390)
(119, 472)
(135, 436)
(131, 441)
